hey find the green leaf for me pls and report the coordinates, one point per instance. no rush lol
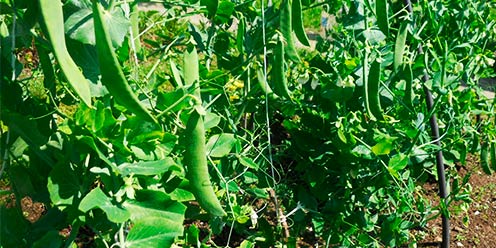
(50, 239)
(224, 12)
(157, 220)
(63, 185)
(248, 162)
(97, 199)
(220, 145)
(396, 163)
(211, 120)
(79, 26)
(148, 168)
(382, 148)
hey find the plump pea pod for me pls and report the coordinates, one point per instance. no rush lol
(492, 153)
(134, 19)
(484, 160)
(372, 90)
(264, 85)
(286, 30)
(278, 76)
(297, 22)
(240, 36)
(51, 12)
(195, 155)
(408, 77)
(399, 46)
(381, 12)
(112, 76)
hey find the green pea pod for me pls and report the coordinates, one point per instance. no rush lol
(195, 155)
(492, 152)
(51, 12)
(240, 36)
(112, 76)
(381, 12)
(297, 22)
(399, 46)
(286, 30)
(475, 143)
(372, 91)
(264, 85)
(484, 160)
(408, 77)
(278, 75)
(47, 68)
(134, 19)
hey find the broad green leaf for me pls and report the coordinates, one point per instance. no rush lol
(211, 6)
(211, 120)
(157, 220)
(220, 145)
(248, 162)
(63, 185)
(148, 168)
(97, 199)
(79, 26)
(224, 12)
(382, 148)
(250, 177)
(396, 163)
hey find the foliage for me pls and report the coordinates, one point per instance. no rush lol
(338, 151)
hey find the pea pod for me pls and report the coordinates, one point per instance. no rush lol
(381, 12)
(112, 76)
(51, 12)
(240, 36)
(484, 160)
(194, 138)
(264, 86)
(399, 46)
(372, 96)
(134, 19)
(286, 30)
(408, 77)
(297, 22)
(278, 75)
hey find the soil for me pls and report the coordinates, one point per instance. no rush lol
(475, 227)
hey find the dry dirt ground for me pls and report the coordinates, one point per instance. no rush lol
(477, 226)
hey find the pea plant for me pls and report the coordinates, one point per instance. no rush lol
(220, 123)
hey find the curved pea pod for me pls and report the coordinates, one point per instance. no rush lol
(484, 159)
(286, 31)
(297, 22)
(112, 76)
(381, 12)
(51, 12)
(399, 46)
(278, 76)
(264, 85)
(372, 96)
(195, 155)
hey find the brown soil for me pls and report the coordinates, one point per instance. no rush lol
(475, 227)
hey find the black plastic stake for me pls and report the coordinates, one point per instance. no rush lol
(439, 155)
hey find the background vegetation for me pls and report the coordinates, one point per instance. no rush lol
(203, 124)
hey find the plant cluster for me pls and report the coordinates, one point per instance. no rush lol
(218, 123)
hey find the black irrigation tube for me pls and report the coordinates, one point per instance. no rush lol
(439, 155)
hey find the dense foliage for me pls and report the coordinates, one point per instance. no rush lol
(219, 123)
